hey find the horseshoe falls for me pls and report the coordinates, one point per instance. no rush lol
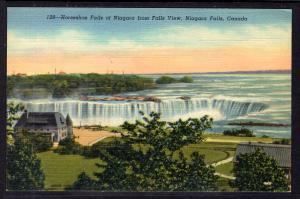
(264, 98)
(115, 113)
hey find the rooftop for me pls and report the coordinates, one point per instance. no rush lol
(282, 153)
(38, 119)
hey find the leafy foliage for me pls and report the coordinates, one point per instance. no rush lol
(169, 80)
(258, 172)
(58, 86)
(243, 132)
(143, 160)
(84, 182)
(284, 141)
(166, 80)
(23, 168)
(40, 142)
(186, 79)
(68, 146)
(13, 111)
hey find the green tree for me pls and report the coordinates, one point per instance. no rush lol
(13, 111)
(143, 159)
(84, 182)
(186, 79)
(284, 141)
(68, 146)
(258, 172)
(23, 168)
(39, 141)
(166, 80)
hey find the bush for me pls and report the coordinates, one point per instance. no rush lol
(243, 132)
(69, 146)
(40, 142)
(265, 136)
(186, 79)
(283, 141)
(83, 182)
(170, 80)
(166, 80)
(95, 150)
(258, 171)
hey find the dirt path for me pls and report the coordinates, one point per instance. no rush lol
(221, 140)
(227, 160)
(222, 162)
(88, 137)
(225, 176)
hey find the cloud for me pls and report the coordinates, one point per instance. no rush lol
(201, 36)
(190, 37)
(65, 41)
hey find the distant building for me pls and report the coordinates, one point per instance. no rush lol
(52, 124)
(281, 153)
(21, 74)
(61, 73)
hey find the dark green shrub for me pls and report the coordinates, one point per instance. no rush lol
(68, 146)
(243, 132)
(265, 136)
(284, 141)
(166, 80)
(40, 141)
(186, 79)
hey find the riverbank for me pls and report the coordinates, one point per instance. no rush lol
(89, 135)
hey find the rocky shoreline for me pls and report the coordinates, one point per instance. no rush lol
(127, 98)
(258, 124)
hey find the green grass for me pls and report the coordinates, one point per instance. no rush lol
(62, 170)
(225, 169)
(211, 156)
(223, 185)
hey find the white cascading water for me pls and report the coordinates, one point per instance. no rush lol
(115, 113)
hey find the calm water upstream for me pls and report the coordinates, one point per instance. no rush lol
(225, 97)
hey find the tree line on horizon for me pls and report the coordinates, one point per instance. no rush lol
(68, 85)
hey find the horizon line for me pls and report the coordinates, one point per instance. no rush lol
(170, 73)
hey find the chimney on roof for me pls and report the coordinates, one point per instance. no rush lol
(26, 112)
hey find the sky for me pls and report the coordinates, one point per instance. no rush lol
(37, 45)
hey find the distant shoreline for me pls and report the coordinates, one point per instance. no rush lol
(182, 73)
(228, 72)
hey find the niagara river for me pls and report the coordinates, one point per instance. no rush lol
(227, 98)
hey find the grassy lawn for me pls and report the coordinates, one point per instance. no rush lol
(225, 168)
(223, 185)
(62, 170)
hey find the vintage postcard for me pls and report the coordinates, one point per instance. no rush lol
(148, 99)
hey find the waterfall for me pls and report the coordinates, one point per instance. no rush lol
(115, 113)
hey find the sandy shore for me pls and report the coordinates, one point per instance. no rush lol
(88, 137)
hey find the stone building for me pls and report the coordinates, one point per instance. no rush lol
(52, 124)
